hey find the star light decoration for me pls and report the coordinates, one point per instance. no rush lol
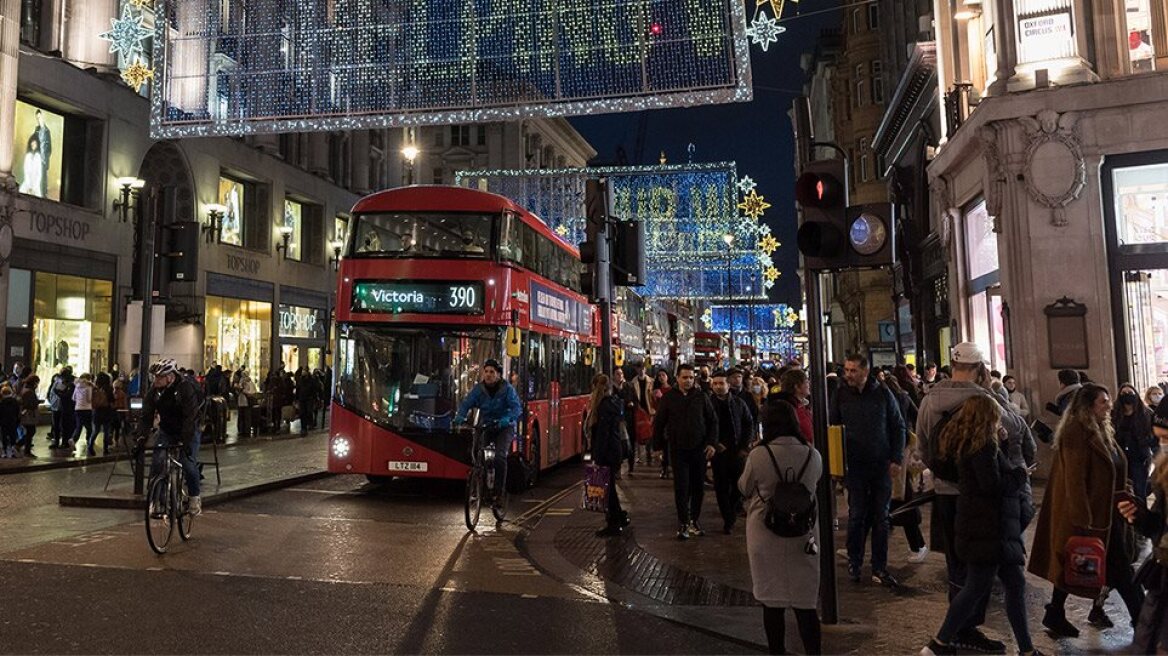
(708, 318)
(143, 4)
(746, 184)
(137, 74)
(753, 205)
(768, 244)
(562, 230)
(772, 274)
(126, 35)
(764, 31)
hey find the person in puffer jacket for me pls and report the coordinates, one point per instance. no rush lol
(970, 379)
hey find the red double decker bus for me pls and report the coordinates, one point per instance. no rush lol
(432, 279)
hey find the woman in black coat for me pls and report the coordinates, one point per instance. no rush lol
(991, 516)
(1133, 432)
(605, 418)
(1151, 635)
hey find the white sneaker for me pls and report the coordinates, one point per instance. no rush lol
(196, 506)
(918, 556)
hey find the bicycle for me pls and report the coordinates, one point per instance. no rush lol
(480, 481)
(168, 501)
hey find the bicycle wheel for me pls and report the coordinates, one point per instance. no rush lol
(159, 516)
(185, 518)
(474, 497)
(499, 507)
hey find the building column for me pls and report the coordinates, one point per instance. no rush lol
(359, 157)
(1005, 42)
(318, 153)
(85, 20)
(1160, 32)
(9, 67)
(1111, 51)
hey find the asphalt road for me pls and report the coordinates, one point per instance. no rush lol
(334, 566)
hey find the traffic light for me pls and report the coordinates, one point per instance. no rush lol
(871, 231)
(822, 193)
(628, 256)
(588, 284)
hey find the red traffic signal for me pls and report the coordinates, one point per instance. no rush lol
(818, 189)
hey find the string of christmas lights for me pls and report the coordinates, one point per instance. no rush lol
(305, 65)
(688, 209)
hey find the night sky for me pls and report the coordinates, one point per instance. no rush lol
(757, 135)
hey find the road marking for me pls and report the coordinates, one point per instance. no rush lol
(324, 492)
(547, 504)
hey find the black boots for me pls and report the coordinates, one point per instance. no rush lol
(1055, 620)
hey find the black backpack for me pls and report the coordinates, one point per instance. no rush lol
(791, 510)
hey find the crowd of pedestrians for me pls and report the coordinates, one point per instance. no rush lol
(963, 435)
(88, 409)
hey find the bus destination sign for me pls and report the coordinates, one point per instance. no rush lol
(419, 296)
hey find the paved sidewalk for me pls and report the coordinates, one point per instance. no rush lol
(705, 582)
(47, 459)
(246, 469)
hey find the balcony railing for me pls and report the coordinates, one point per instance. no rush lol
(957, 106)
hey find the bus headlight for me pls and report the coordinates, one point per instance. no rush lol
(341, 447)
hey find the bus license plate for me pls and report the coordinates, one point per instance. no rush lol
(408, 466)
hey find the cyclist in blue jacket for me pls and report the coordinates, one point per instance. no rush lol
(499, 410)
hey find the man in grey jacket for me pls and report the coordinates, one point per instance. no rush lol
(970, 378)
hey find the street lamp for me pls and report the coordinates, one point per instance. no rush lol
(410, 152)
(285, 238)
(214, 224)
(337, 245)
(729, 239)
(129, 186)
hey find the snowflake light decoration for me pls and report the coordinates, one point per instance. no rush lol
(708, 318)
(126, 34)
(772, 274)
(753, 205)
(765, 260)
(768, 244)
(764, 31)
(562, 230)
(746, 226)
(764, 229)
(137, 74)
(142, 4)
(746, 185)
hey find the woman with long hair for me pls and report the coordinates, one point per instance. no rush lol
(784, 570)
(605, 416)
(1151, 636)
(990, 520)
(1133, 432)
(1088, 472)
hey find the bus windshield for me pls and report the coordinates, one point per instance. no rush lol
(423, 234)
(411, 379)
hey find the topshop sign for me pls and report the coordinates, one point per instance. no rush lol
(301, 322)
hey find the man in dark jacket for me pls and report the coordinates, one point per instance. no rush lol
(624, 393)
(738, 388)
(685, 417)
(734, 436)
(175, 399)
(874, 433)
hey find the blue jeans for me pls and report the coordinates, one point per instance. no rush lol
(869, 493)
(187, 456)
(501, 438)
(84, 419)
(979, 580)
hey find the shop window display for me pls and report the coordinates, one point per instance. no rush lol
(238, 334)
(231, 196)
(1141, 204)
(71, 325)
(38, 141)
(294, 220)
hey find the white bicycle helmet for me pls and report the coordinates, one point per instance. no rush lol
(163, 367)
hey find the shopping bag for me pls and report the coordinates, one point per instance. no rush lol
(1085, 563)
(595, 489)
(644, 427)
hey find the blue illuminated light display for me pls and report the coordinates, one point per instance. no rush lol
(687, 210)
(767, 317)
(227, 68)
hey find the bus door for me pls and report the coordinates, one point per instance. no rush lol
(555, 428)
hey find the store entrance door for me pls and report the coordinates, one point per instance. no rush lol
(1145, 310)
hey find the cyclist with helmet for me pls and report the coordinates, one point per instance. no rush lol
(174, 398)
(499, 409)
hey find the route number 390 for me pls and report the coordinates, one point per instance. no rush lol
(462, 297)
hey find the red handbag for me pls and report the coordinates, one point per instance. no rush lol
(644, 427)
(1085, 565)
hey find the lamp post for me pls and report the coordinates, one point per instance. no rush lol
(729, 239)
(410, 152)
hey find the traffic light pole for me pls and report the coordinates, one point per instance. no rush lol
(605, 290)
(148, 227)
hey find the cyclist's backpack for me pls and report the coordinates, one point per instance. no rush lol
(791, 510)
